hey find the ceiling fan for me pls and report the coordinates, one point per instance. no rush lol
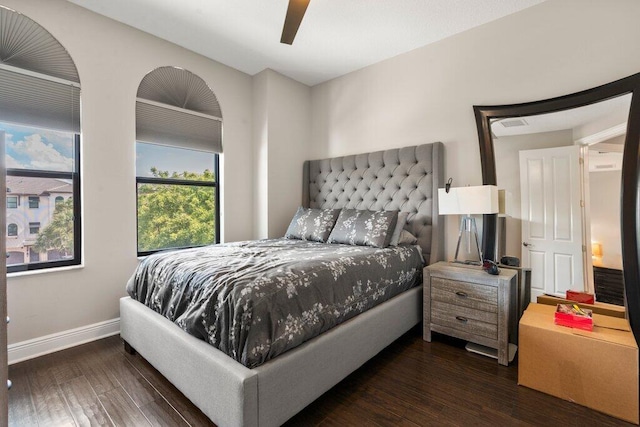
(295, 13)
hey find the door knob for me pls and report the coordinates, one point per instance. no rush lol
(526, 244)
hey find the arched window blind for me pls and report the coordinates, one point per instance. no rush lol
(39, 82)
(177, 108)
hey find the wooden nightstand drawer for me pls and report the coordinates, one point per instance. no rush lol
(468, 320)
(465, 294)
(465, 302)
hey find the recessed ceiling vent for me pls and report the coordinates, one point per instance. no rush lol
(511, 123)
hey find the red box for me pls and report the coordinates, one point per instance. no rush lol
(583, 297)
(573, 316)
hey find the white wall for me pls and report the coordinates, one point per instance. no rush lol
(605, 216)
(552, 49)
(112, 59)
(282, 122)
(260, 155)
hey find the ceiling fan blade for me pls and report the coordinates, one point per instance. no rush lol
(295, 13)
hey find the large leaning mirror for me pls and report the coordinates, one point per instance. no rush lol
(568, 169)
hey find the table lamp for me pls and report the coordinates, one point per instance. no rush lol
(467, 201)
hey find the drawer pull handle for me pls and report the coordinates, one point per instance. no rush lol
(462, 319)
(462, 294)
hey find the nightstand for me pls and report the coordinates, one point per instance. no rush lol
(466, 302)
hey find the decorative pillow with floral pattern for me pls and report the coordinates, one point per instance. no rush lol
(312, 224)
(364, 228)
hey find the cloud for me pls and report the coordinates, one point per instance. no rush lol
(13, 163)
(41, 155)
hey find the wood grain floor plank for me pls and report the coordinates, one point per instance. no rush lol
(49, 402)
(22, 412)
(131, 380)
(188, 410)
(161, 414)
(121, 409)
(97, 373)
(84, 403)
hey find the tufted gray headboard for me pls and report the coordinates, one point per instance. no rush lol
(406, 179)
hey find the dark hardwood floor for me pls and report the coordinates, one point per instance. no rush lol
(411, 383)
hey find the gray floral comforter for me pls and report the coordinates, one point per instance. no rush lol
(255, 300)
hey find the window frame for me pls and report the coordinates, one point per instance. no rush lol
(34, 200)
(33, 225)
(185, 182)
(17, 202)
(9, 227)
(74, 176)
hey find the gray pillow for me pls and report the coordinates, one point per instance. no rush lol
(312, 224)
(402, 221)
(364, 228)
(407, 238)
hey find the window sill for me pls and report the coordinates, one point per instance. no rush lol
(44, 271)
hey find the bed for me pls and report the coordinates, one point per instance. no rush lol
(232, 394)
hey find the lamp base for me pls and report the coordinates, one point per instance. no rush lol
(467, 262)
(469, 230)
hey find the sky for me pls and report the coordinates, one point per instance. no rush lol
(170, 159)
(43, 149)
(33, 148)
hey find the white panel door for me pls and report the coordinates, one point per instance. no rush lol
(552, 236)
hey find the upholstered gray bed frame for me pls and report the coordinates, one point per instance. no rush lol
(233, 395)
(403, 179)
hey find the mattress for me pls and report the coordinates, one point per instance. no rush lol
(255, 300)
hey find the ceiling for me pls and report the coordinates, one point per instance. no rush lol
(596, 118)
(335, 37)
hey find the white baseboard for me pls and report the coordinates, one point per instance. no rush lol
(30, 349)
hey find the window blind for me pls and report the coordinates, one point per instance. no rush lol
(39, 83)
(160, 125)
(25, 44)
(30, 100)
(176, 107)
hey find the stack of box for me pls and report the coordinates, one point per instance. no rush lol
(597, 369)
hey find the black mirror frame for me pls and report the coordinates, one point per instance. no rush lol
(630, 189)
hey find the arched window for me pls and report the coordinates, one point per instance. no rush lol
(179, 139)
(59, 200)
(40, 108)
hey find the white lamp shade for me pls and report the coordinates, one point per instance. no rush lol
(504, 203)
(481, 199)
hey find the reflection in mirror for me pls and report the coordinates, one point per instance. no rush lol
(561, 174)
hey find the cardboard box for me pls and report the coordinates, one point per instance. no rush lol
(597, 369)
(598, 307)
